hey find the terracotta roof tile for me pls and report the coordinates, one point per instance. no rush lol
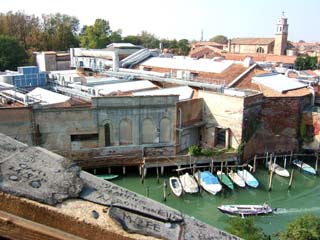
(252, 41)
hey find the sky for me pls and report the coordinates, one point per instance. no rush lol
(187, 18)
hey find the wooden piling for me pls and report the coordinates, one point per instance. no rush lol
(285, 162)
(162, 171)
(94, 171)
(164, 191)
(291, 179)
(142, 174)
(316, 166)
(254, 163)
(270, 181)
(290, 161)
(194, 168)
(158, 180)
(109, 170)
(124, 170)
(211, 166)
(221, 166)
(267, 158)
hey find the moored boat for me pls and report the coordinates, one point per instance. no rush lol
(188, 183)
(305, 167)
(107, 176)
(236, 179)
(175, 186)
(225, 180)
(208, 182)
(279, 170)
(249, 179)
(246, 210)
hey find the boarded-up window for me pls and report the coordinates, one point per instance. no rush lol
(165, 130)
(148, 131)
(125, 132)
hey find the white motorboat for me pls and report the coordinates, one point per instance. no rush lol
(279, 170)
(305, 167)
(246, 210)
(188, 183)
(249, 179)
(236, 179)
(175, 186)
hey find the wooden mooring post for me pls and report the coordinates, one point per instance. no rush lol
(221, 166)
(291, 154)
(254, 163)
(211, 166)
(142, 174)
(124, 170)
(270, 181)
(164, 191)
(316, 166)
(291, 179)
(158, 180)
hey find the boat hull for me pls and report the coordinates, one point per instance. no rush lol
(249, 179)
(305, 167)
(175, 186)
(246, 210)
(225, 180)
(208, 182)
(189, 185)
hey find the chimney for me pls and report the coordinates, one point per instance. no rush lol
(229, 45)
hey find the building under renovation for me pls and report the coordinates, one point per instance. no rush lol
(121, 111)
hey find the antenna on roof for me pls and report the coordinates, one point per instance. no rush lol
(283, 13)
(201, 35)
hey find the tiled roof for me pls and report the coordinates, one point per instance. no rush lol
(260, 57)
(252, 41)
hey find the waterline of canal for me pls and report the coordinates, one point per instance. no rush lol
(302, 198)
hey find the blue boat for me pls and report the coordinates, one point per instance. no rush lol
(305, 167)
(249, 179)
(209, 182)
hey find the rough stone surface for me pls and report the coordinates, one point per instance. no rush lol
(134, 223)
(36, 173)
(106, 193)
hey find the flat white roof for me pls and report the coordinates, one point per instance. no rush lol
(184, 92)
(132, 86)
(278, 82)
(47, 97)
(190, 64)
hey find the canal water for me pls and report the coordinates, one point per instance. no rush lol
(302, 198)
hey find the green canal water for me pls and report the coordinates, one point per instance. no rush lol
(302, 198)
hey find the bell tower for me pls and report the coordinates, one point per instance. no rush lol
(281, 36)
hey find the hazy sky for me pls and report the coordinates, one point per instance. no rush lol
(185, 18)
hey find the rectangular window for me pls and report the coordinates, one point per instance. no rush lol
(84, 137)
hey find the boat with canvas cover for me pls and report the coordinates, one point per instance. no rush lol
(305, 167)
(175, 186)
(189, 184)
(249, 179)
(246, 210)
(225, 180)
(208, 182)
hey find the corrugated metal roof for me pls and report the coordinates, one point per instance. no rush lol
(278, 82)
(132, 86)
(47, 97)
(184, 92)
(189, 64)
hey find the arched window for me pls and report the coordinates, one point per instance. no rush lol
(148, 131)
(125, 132)
(107, 134)
(165, 130)
(260, 50)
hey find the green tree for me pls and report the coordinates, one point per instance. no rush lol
(219, 39)
(115, 36)
(132, 39)
(148, 40)
(305, 63)
(12, 53)
(306, 227)
(96, 35)
(245, 228)
(184, 47)
(59, 32)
